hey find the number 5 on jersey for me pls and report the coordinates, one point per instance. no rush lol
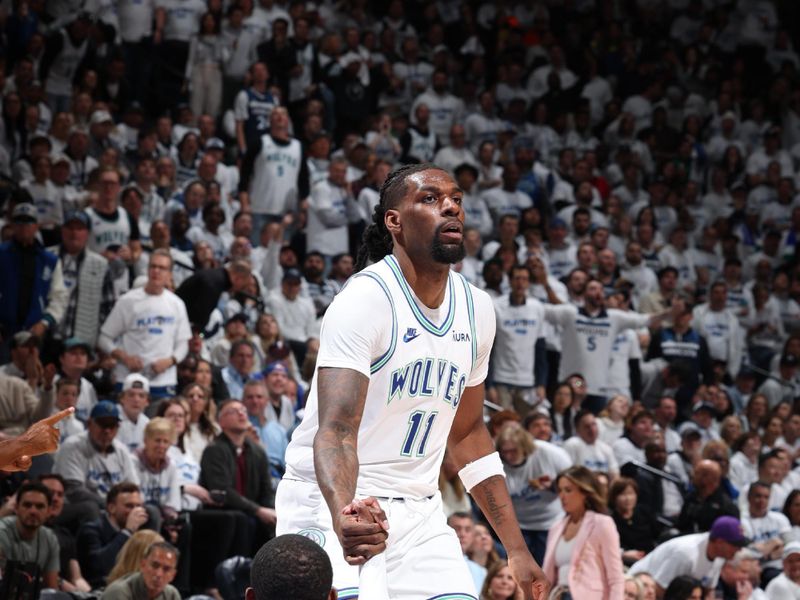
(414, 421)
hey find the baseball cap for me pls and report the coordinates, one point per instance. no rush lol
(466, 167)
(729, 529)
(704, 406)
(40, 136)
(100, 116)
(75, 342)
(292, 274)
(24, 338)
(105, 409)
(136, 381)
(276, 367)
(59, 158)
(690, 430)
(791, 548)
(25, 213)
(80, 216)
(215, 143)
(241, 317)
(558, 223)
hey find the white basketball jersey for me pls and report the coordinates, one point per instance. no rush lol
(419, 361)
(273, 190)
(108, 231)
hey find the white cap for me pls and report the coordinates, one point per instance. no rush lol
(136, 381)
(791, 548)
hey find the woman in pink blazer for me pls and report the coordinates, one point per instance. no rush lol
(583, 552)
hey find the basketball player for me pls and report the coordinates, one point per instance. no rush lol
(403, 356)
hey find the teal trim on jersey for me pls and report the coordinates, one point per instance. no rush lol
(442, 329)
(384, 358)
(456, 596)
(471, 313)
(350, 593)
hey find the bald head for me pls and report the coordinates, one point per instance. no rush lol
(707, 477)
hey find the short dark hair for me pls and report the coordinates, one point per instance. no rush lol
(582, 413)
(166, 547)
(755, 485)
(125, 487)
(291, 566)
(45, 476)
(763, 458)
(240, 343)
(34, 486)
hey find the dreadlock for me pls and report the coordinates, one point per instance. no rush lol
(377, 241)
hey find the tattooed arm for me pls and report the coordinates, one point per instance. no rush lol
(360, 524)
(469, 440)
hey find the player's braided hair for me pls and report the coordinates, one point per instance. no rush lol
(377, 241)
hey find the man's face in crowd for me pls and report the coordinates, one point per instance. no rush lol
(791, 567)
(277, 382)
(57, 496)
(102, 431)
(74, 360)
(133, 402)
(158, 570)
(587, 429)
(465, 530)
(233, 418)
(255, 399)
(243, 359)
(643, 429)
(74, 236)
(758, 498)
(32, 510)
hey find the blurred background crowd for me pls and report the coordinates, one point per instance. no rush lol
(184, 185)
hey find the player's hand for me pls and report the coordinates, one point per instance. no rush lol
(42, 437)
(529, 576)
(362, 528)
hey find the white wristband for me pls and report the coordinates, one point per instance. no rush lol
(480, 470)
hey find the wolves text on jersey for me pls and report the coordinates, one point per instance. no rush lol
(426, 377)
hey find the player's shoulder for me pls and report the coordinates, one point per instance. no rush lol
(480, 298)
(369, 285)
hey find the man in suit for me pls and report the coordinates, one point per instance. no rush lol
(100, 541)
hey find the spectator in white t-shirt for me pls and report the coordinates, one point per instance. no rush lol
(769, 529)
(587, 450)
(296, 315)
(786, 586)
(698, 555)
(133, 400)
(148, 330)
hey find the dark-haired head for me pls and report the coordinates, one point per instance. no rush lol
(377, 241)
(290, 566)
(682, 588)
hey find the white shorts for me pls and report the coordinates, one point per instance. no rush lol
(423, 558)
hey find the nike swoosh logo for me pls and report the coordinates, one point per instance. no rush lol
(408, 337)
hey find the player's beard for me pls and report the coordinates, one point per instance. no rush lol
(448, 254)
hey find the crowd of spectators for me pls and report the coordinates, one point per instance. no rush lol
(183, 190)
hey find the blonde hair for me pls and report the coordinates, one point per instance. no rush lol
(131, 554)
(159, 425)
(519, 437)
